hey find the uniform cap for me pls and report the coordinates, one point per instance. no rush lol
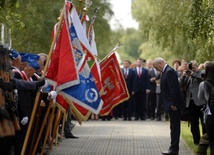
(24, 56)
(34, 64)
(34, 57)
(14, 54)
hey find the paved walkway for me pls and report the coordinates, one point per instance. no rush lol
(118, 137)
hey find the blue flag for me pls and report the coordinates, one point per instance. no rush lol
(85, 93)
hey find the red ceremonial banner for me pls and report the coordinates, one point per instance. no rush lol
(62, 102)
(58, 75)
(82, 113)
(114, 87)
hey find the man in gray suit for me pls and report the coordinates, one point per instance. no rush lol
(190, 80)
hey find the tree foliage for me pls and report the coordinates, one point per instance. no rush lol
(31, 23)
(184, 27)
(131, 40)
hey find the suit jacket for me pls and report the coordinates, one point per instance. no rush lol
(170, 89)
(129, 79)
(24, 99)
(193, 88)
(141, 83)
(152, 74)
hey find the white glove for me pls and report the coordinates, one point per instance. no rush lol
(24, 120)
(45, 85)
(53, 95)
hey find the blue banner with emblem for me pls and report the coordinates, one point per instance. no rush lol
(85, 94)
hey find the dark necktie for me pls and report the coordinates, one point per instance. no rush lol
(139, 73)
(126, 73)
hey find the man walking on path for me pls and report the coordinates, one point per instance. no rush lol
(172, 102)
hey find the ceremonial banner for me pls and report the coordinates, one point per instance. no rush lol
(62, 102)
(89, 98)
(82, 113)
(92, 42)
(62, 71)
(82, 48)
(85, 94)
(114, 86)
(95, 69)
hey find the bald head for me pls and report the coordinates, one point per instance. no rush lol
(159, 64)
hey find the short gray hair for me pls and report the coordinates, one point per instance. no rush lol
(158, 60)
(194, 63)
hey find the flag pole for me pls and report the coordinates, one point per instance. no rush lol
(79, 7)
(36, 102)
(113, 50)
(92, 21)
(88, 3)
(84, 14)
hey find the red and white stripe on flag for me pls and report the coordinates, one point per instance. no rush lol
(62, 70)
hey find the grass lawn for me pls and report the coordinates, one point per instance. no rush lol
(187, 136)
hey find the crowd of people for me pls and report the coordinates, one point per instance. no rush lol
(156, 91)
(148, 98)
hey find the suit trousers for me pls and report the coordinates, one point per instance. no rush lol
(152, 104)
(6, 145)
(175, 125)
(140, 105)
(195, 115)
(159, 106)
(127, 108)
(210, 133)
(67, 128)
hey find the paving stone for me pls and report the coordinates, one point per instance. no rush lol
(118, 137)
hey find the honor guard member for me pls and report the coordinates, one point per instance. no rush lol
(42, 61)
(16, 62)
(25, 103)
(24, 60)
(30, 69)
(7, 141)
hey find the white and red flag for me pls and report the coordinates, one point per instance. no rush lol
(62, 70)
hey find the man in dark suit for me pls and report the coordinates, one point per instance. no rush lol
(140, 89)
(128, 74)
(172, 101)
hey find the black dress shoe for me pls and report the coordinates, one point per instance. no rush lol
(143, 119)
(169, 152)
(166, 117)
(129, 119)
(152, 118)
(70, 136)
(158, 119)
(125, 119)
